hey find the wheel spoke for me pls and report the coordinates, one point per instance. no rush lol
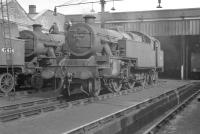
(82, 89)
(94, 87)
(58, 84)
(131, 84)
(116, 86)
(110, 86)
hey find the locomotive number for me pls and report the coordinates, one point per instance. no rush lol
(7, 50)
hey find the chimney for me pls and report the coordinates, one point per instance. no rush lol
(37, 27)
(89, 19)
(32, 9)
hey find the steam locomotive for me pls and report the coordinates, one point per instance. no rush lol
(29, 58)
(102, 59)
(42, 54)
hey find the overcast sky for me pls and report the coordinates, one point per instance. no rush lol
(125, 5)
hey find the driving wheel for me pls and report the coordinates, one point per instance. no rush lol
(6, 82)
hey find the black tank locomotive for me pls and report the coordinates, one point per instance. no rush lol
(108, 59)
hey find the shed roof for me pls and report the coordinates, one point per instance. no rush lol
(154, 23)
(138, 15)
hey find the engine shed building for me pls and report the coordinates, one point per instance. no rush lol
(178, 31)
(24, 20)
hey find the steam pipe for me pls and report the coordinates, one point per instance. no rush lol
(102, 13)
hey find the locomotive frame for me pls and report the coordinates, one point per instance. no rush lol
(97, 81)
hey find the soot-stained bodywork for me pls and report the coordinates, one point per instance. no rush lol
(109, 59)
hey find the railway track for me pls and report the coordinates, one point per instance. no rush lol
(170, 115)
(37, 107)
(113, 120)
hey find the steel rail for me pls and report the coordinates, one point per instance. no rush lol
(27, 104)
(32, 108)
(159, 124)
(97, 123)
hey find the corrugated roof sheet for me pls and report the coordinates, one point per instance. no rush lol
(155, 23)
(164, 28)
